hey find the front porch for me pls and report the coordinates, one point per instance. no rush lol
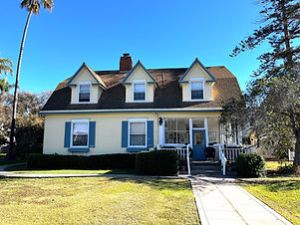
(199, 139)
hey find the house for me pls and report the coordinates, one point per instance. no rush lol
(135, 109)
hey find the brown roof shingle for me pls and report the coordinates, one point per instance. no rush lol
(167, 94)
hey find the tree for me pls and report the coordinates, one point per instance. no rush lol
(29, 129)
(33, 7)
(275, 90)
(5, 68)
(233, 117)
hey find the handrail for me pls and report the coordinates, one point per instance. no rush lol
(222, 158)
(188, 159)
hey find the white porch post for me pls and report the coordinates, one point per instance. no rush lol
(161, 133)
(206, 130)
(191, 131)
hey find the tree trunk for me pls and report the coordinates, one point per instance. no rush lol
(10, 153)
(297, 150)
(287, 39)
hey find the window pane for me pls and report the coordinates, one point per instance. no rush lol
(84, 93)
(197, 94)
(177, 131)
(137, 140)
(197, 89)
(139, 88)
(137, 128)
(138, 134)
(139, 91)
(80, 140)
(80, 133)
(197, 85)
(198, 123)
(139, 96)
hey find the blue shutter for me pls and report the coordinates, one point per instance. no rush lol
(124, 134)
(67, 134)
(150, 134)
(92, 134)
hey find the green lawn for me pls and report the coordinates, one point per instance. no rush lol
(281, 193)
(97, 201)
(274, 165)
(69, 171)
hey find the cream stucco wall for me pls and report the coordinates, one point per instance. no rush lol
(84, 76)
(108, 129)
(149, 92)
(196, 72)
(139, 74)
(186, 91)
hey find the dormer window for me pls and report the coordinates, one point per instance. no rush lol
(84, 92)
(139, 91)
(197, 90)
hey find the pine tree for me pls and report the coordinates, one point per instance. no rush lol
(280, 28)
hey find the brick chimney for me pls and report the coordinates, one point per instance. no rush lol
(125, 62)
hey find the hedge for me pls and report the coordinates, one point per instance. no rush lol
(160, 162)
(109, 161)
(250, 165)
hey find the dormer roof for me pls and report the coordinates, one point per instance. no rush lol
(91, 73)
(138, 64)
(197, 61)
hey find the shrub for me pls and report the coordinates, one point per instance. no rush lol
(29, 139)
(286, 169)
(160, 163)
(111, 161)
(250, 165)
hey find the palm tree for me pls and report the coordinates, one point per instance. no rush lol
(5, 67)
(33, 7)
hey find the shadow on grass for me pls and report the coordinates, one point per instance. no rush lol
(275, 184)
(158, 183)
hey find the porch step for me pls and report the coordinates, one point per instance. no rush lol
(210, 168)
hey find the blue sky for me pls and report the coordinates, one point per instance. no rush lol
(168, 33)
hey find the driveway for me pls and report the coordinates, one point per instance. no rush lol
(221, 201)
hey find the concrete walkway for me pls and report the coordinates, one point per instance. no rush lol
(221, 201)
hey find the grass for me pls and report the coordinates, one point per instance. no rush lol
(97, 201)
(274, 165)
(70, 171)
(280, 193)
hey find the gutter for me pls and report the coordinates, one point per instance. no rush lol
(90, 111)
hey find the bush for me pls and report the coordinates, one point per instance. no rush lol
(286, 169)
(111, 161)
(250, 165)
(29, 139)
(159, 163)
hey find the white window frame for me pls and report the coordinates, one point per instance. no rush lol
(71, 133)
(78, 91)
(139, 82)
(203, 85)
(146, 134)
(174, 144)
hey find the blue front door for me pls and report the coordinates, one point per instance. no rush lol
(199, 145)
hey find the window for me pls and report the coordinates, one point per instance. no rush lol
(198, 123)
(137, 134)
(196, 90)
(84, 92)
(80, 133)
(177, 131)
(139, 91)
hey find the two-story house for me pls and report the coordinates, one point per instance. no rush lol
(135, 109)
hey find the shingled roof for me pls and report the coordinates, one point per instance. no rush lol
(168, 93)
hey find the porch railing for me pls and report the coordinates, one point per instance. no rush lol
(232, 152)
